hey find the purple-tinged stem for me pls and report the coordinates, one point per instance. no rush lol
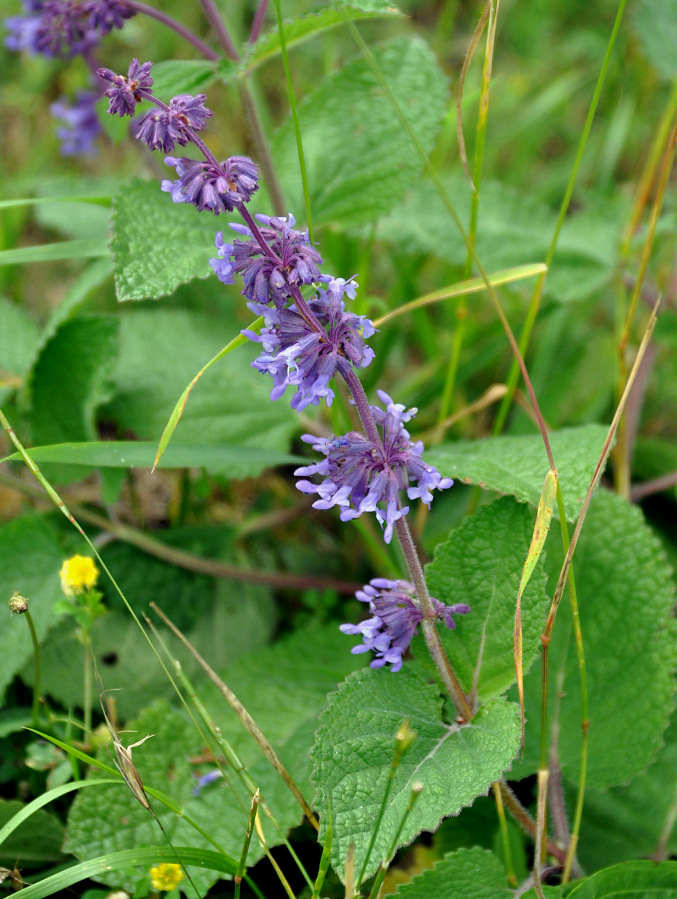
(175, 25)
(220, 30)
(258, 21)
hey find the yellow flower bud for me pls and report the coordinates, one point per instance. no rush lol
(78, 573)
(166, 877)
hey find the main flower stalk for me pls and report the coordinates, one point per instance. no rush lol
(308, 338)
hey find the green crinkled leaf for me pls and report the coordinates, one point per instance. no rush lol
(353, 754)
(518, 465)
(158, 245)
(467, 874)
(36, 841)
(300, 671)
(160, 351)
(310, 25)
(634, 880)
(69, 381)
(628, 822)
(30, 559)
(18, 337)
(625, 595)
(481, 564)
(513, 228)
(182, 76)
(655, 23)
(359, 158)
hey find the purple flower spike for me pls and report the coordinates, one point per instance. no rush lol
(221, 187)
(396, 615)
(265, 278)
(127, 90)
(64, 28)
(296, 354)
(81, 124)
(361, 476)
(162, 129)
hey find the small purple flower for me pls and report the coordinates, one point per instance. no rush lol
(296, 354)
(127, 90)
(162, 129)
(396, 615)
(360, 476)
(220, 187)
(265, 277)
(64, 28)
(206, 779)
(81, 124)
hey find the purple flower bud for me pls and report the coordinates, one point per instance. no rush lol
(267, 279)
(297, 354)
(81, 124)
(127, 90)
(162, 129)
(361, 476)
(396, 615)
(64, 28)
(206, 779)
(220, 188)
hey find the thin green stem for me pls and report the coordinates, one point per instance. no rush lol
(415, 792)
(87, 690)
(36, 669)
(297, 128)
(532, 312)
(505, 836)
(403, 739)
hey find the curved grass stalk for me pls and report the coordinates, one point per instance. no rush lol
(623, 450)
(490, 15)
(532, 312)
(565, 577)
(246, 719)
(113, 861)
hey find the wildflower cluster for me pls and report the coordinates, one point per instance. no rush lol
(64, 28)
(396, 615)
(307, 339)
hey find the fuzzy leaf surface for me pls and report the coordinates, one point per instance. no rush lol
(304, 27)
(518, 465)
(357, 181)
(160, 351)
(69, 379)
(481, 564)
(627, 822)
(353, 753)
(625, 595)
(467, 874)
(157, 244)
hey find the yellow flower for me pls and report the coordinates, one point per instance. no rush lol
(77, 573)
(166, 877)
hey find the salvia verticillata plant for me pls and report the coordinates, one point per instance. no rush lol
(306, 342)
(435, 723)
